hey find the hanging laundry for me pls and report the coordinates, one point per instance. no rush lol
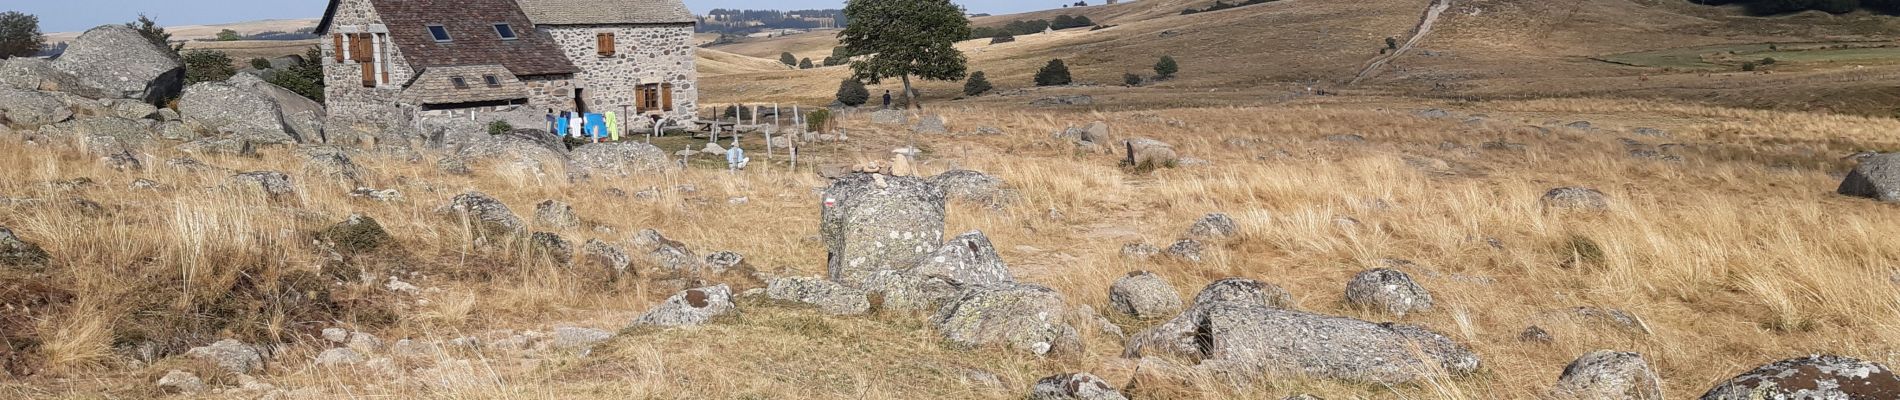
(613, 126)
(576, 125)
(560, 125)
(596, 126)
(551, 121)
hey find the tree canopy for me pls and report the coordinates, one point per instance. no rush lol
(20, 35)
(902, 38)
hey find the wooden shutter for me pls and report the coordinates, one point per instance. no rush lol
(362, 48)
(605, 42)
(666, 97)
(338, 47)
(640, 99)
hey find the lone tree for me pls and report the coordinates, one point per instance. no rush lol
(151, 31)
(978, 84)
(1166, 67)
(207, 66)
(852, 93)
(900, 38)
(228, 35)
(20, 35)
(1054, 74)
(789, 59)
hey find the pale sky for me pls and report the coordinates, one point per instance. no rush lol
(79, 15)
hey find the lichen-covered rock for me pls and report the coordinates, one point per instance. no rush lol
(32, 108)
(356, 235)
(225, 109)
(689, 308)
(181, 382)
(1213, 226)
(330, 161)
(515, 155)
(830, 297)
(667, 255)
(1149, 153)
(1876, 177)
(552, 246)
(969, 259)
(621, 159)
(1023, 317)
(975, 187)
(930, 124)
(1387, 290)
(1616, 318)
(230, 354)
(874, 223)
(1189, 250)
(303, 118)
(1076, 386)
(1534, 334)
(575, 338)
(1811, 377)
(889, 117)
(1254, 340)
(1144, 295)
(19, 253)
(1139, 251)
(721, 261)
(1179, 337)
(905, 291)
(27, 73)
(557, 214)
(1575, 198)
(128, 133)
(119, 62)
(337, 357)
(486, 215)
(1604, 374)
(272, 183)
(609, 258)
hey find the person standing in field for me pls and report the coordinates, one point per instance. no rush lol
(887, 99)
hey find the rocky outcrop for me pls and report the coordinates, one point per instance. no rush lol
(1144, 295)
(1387, 290)
(1248, 340)
(484, 214)
(1179, 335)
(272, 183)
(828, 296)
(231, 355)
(1076, 386)
(1575, 198)
(557, 214)
(31, 108)
(28, 73)
(17, 253)
(1876, 177)
(1023, 317)
(689, 308)
(975, 187)
(969, 259)
(875, 223)
(121, 63)
(225, 109)
(1811, 377)
(621, 159)
(515, 155)
(1213, 226)
(1605, 374)
(356, 235)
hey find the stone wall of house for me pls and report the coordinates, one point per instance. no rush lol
(345, 98)
(545, 92)
(644, 54)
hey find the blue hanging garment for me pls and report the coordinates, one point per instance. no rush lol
(596, 126)
(560, 125)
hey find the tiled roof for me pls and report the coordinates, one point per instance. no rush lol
(601, 12)
(473, 41)
(436, 85)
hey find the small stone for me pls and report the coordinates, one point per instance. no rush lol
(1139, 251)
(1575, 198)
(1144, 295)
(1186, 250)
(340, 356)
(723, 261)
(1534, 334)
(689, 308)
(556, 214)
(1605, 374)
(338, 335)
(1387, 290)
(181, 382)
(573, 338)
(1076, 386)
(17, 252)
(231, 355)
(1213, 227)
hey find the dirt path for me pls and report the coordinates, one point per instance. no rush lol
(1437, 8)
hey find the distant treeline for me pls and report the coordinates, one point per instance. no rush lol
(1013, 28)
(1772, 7)
(1222, 5)
(300, 34)
(742, 21)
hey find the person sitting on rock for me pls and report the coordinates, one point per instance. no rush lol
(735, 157)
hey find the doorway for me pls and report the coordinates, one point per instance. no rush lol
(580, 103)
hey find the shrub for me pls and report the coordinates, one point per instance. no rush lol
(228, 35)
(852, 93)
(1391, 43)
(1768, 61)
(156, 34)
(20, 35)
(976, 85)
(305, 78)
(1131, 79)
(260, 63)
(207, 66)
(818, 120)
(788, 59)
(1054, 74)
(1166, 67)
(805, 63)
(1748, 66)
(1005, 38)
(499, 127)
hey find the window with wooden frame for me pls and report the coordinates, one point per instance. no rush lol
(604, 43)
(649, 97)
(491, 80)
(458, 82)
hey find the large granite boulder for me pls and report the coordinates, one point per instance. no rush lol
(1144, 295)
(484, 214)
(1180, 335)
(621, 159)
(122, 63)
(227, 109)
(515, 155)
(1877, 177)
(31, 108)
(828, 296)
(969, 259)
(875, 223)
(974, 187)
(1020, 316)
(1387, 290)
(304, 117)
(37, 74)
(1250, 340)
(1811, 377)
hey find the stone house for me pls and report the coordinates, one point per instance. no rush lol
(401, 62)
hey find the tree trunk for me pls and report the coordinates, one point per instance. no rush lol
(909, 102)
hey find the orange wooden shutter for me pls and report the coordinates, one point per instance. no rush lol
(384, 61)
(362, 50)
(606, 43)
(639, 99)
(338, 48)
(666, 97)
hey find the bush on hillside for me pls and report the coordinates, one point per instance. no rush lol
(818, 120)
(499, 127)
(305, 77)
(976, 85)
(789, 59)
(805, 63)
(260, 63)
(1054, 74)
(207, 66)
(1131, 79)
(1166, 67)
(852, 93)
(20, 35)
(1006, 38)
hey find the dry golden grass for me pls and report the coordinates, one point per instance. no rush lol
(1737, 256)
